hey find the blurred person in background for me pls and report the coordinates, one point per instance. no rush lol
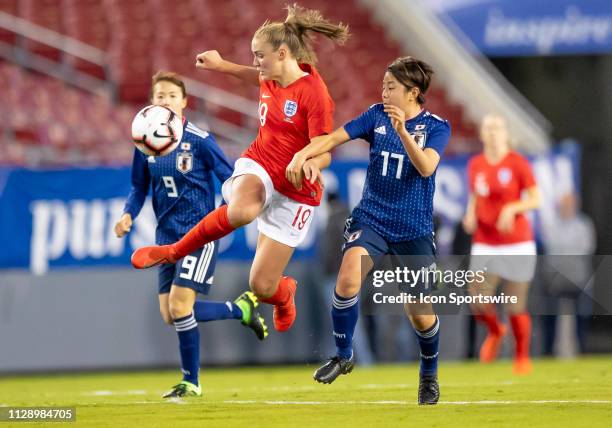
(331, 259)
(462, 246)
(183, 192)
(569, 241)
(502, 190)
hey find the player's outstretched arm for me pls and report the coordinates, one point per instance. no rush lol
(318, 148)
(212, 60)
(322, 161)
(312, 168)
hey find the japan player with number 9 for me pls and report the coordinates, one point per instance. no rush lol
(395, 214)
(183, 192)
(294, 108)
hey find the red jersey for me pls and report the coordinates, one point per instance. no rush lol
(493, 187)
(289, 117)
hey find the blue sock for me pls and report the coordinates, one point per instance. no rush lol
(189, 346)
(345, 312)
(211, 311)
(428, 342)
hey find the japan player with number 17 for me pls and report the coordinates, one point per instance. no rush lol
(395, 214)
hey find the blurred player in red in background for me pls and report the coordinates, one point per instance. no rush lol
(502, 190)
(294, 108)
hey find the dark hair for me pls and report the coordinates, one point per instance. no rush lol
(294, 32)
(167, 76)
(411, 73)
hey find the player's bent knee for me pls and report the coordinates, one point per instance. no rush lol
(422, 321)
(240, 215)
(263, 287)
(348, 285)
(178, 309)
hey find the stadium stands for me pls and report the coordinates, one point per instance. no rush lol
(141, 37)
(56, 125)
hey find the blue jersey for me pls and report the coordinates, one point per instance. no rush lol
(397, 201)
(182, 183)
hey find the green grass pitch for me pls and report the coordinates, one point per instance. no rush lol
(571, 393)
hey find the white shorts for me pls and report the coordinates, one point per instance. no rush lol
(282, 218)
(519, 264)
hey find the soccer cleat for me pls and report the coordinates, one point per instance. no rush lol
(284, 316)
(336, 366)
(429, 390)
(490, 347)
(146, 257)
(247, 302)
(184, 389)
(522, 366)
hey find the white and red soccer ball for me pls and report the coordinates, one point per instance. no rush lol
(156, 130)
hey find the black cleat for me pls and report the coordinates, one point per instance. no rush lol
(429, 390)
(247, 301)
(336, 366)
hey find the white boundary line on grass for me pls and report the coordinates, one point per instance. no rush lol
(357, 402)
(103, 393)
(383, 402)
(107, 393)
(302, 388)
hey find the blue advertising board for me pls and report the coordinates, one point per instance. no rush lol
(533, 28)
(54, 219)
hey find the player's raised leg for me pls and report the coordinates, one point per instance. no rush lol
(426, 326)
(269, 284)
(196, 271)
(247, 201)
(345, 311)
(243, 308)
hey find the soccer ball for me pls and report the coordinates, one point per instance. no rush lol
(156, 130)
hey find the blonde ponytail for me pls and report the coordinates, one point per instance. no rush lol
(294, 32)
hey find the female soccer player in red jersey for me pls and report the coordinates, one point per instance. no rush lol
(294, 108)
(502, 190)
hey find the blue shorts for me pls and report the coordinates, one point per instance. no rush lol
(415, 254)
(195, 271)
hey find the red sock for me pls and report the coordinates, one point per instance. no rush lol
(282, 294)
(490, 320)
(212, 227)
(521, 327)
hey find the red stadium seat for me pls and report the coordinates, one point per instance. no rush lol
(129, 29)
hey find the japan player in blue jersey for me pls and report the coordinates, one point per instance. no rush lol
(183, 192)
(395, 214)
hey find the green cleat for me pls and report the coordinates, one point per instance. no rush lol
(247, 302)
(184, 389)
